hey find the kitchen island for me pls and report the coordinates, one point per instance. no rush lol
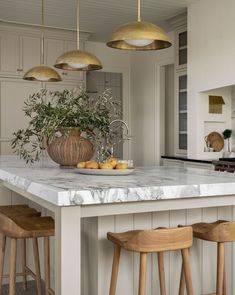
(86, 207)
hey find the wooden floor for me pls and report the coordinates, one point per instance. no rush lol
(32, 290)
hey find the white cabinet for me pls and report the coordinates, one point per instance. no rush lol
(9, 53)
(30, 52)
(13, 94)
(181, 112)
(181, 48)
(19, 53)
(181, 105)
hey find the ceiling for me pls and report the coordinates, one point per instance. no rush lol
(97, 16)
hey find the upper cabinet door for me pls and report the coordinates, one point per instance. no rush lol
(73, 75)
(30, 52)
(10, 54)
(53, 49)
(181, 48)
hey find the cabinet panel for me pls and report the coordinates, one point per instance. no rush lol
(53, 49)
(13, 95)
(30, 52)
(10, 53)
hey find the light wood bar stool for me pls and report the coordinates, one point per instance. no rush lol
(220, 232)
(152, 241)
(23, 223)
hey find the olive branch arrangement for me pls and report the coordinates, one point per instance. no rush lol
(50, 111)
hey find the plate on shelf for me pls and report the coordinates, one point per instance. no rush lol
(113, 172)
(215, 140)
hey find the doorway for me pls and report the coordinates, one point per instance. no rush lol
(97, 83)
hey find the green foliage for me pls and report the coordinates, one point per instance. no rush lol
(227, 133)
(48, 112)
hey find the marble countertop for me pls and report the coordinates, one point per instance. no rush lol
(65, 187)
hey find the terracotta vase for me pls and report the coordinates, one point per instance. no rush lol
(71, 148)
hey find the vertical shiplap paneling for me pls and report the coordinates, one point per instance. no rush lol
(105, 253)
(126, 275)
(195, 216)
(226, 213)
(160, 219)
(176, 218)
(142, 221)
(209, 255)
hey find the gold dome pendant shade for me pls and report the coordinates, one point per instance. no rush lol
(42, 73)
(139, 36)
(78, 60)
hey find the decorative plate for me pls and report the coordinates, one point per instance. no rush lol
(215, 141)
(109, 172)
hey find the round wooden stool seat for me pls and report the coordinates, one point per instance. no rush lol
(150, 241)
(26, 226)
(18, 210)
(153, 240)
(219, 231)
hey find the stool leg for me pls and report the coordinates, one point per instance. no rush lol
(182, 281)
(224, 282)
(142, 274)
(161, 273)
(2, 254)
(37, 266)
(220, 269)
(115, 267)
(187, 271)
(47, 264)
(24, 264)
(12, 281)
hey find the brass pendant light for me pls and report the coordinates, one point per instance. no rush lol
(78, 60)
(42, 73)
(139, 35)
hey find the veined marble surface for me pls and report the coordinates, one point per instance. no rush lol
(65, 187)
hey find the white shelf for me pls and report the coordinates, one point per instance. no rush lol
(183, 112)
(183, 47)
(182, 90)
(183, 132)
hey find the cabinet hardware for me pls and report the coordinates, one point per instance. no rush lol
(19, 70)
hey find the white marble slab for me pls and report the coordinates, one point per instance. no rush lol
(65, 187)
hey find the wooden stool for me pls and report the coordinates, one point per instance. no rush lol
(220, 232)
(149, 241)
(22, 222)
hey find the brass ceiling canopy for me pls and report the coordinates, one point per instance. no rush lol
(42, 73)
(139, 35)
(78, 60)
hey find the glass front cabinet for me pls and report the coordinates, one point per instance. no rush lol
(181, 93)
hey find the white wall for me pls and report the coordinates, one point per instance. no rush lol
(211, 62)
(145, 103)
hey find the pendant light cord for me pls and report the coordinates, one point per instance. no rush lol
(78, 14)
(42, 36)
(139, 19)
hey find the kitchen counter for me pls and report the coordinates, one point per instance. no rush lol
(186, 159)
(85, 208)
(65, 187)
